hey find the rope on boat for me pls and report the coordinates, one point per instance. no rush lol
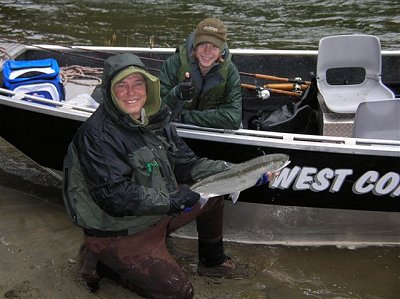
(73, 73)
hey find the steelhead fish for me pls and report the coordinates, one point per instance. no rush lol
(238, 177)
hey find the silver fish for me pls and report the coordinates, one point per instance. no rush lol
(239, 177)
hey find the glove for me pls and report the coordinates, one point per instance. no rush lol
(185, 90)
(267, 177)
(181, 199)
(264, 179)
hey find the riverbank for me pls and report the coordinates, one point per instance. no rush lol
(38, 246)
(39, 243)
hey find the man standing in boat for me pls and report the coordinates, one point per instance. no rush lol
(202, 78)
(121, 177)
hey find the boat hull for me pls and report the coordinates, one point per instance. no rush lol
(315, 178)
(305, 226)
(325, 172)
(346, 181)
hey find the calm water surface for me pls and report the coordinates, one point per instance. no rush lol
(273, 24)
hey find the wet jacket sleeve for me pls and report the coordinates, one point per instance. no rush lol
(228, 115)
(188, 166)
(108, 175)
(169, 80)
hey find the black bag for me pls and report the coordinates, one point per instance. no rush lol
(299, 118)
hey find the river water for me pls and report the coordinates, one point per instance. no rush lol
(271, 24)
(286, 272)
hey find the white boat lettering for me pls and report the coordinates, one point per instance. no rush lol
(310, 178)
(371, 182)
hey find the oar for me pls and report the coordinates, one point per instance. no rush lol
(273, 90)
(274, 78)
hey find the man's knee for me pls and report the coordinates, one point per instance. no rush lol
(186, 292)
(176, 286)
(181, 291)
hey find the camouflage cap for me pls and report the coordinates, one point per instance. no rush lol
(210, 30)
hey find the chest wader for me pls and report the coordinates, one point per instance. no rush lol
(142, 261)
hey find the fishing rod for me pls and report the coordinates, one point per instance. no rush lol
(273, 90)
(55, 50)
(82, 55)
(89, 57)
(113, 53)
(287, 86)
(274, 78)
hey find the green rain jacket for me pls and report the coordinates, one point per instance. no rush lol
(118, 173)
(218, 99)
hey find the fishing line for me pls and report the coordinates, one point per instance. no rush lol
(77, 54)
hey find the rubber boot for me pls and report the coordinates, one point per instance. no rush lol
(87, 269)
(214, 263)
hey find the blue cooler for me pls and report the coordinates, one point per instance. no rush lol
(39, 78)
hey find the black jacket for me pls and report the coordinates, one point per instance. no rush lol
(122, 170)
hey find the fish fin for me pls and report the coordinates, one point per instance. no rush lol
(234, 196)
(284, 165)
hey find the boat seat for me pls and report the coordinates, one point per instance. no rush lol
(349, 72)
(378, 120)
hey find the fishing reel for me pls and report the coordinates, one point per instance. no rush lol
(297, 85)
(263, 93)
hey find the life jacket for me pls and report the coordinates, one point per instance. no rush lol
(214, 96)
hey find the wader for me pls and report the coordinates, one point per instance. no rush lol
(142, 261)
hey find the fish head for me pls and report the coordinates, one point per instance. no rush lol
(275, 162)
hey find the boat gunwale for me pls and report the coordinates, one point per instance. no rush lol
(377, 147)
(348, 145)
(238, 51)
(62, 111)
(338, 145)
